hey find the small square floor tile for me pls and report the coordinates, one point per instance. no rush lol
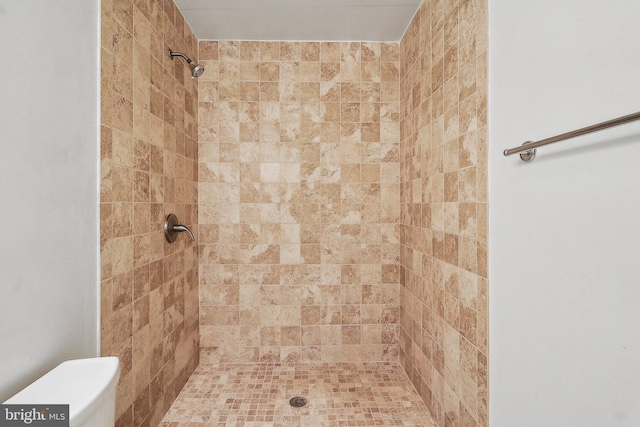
(338, 394)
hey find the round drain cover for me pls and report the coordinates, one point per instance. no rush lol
(298, 401)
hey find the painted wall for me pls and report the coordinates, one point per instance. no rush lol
(49, 192)
(564, 229)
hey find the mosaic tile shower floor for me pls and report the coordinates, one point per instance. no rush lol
(339, 394)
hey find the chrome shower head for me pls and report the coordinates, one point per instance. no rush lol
(196, 69)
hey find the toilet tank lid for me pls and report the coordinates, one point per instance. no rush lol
(78, 383)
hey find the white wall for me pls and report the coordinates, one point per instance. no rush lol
(49, 92)
(565, 229)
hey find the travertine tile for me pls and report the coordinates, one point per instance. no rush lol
(149, 155)
(290, 170)
(369, 393)
(341, 194)
(443, 261)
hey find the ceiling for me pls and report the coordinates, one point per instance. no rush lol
(328, 20)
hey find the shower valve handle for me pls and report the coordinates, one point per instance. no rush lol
(172, 228)
(179, 228)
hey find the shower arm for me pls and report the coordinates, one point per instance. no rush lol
(182, 55)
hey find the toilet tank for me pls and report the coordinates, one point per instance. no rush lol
(88, 386)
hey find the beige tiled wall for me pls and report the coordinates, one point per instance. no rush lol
(342, 204)
(299, 183)
(149, 289)
(443, 297)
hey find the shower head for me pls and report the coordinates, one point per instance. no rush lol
(196, 69)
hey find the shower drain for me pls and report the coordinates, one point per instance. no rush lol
(298, 401)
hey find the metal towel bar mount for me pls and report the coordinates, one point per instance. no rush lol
(529, 147)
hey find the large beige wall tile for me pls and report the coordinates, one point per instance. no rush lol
(149, 169)
(443, 262)
(299, 176)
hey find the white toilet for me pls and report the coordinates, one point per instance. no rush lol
(88, 386)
